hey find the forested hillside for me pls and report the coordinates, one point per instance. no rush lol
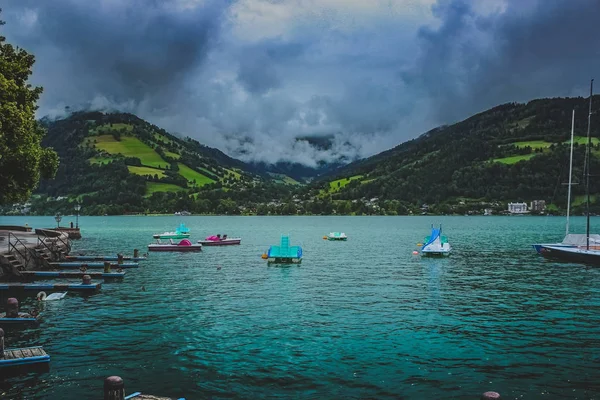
(513, 152)
(116, 163)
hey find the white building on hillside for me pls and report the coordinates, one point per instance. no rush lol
(517, 208)
(538, 205)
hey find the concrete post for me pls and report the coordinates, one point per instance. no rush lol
(114, 388)
(12, 308)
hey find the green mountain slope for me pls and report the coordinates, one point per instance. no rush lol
(513, 152)
(123, 163)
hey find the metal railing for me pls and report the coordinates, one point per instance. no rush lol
(52, 252)
(54, 248)
(67, 245)
(12, 246)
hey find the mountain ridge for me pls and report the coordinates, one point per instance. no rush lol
(117, 163)
(514, 151)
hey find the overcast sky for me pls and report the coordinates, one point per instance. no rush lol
(250, 76)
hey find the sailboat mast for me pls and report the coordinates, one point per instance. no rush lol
(570, 171)
(587, 175)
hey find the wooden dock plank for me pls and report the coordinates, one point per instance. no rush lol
(27, 353)
(36, 352)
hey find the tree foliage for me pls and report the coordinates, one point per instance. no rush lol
(23, 161)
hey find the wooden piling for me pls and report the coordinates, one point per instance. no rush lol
(136, 253)
(1, 343)
(107, 266)
(12, 308)
(120, 258)
(490, 396)
(114, 388)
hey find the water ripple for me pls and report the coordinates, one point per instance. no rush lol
(358, 319)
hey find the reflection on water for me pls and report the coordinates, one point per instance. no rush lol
(433, 271)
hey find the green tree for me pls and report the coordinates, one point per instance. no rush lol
(23, 160)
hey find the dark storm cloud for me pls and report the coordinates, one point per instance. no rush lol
(129, 51)
(366, 78)
(532, 49)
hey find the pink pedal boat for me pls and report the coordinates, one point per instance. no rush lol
(184, 245)
(219, 241)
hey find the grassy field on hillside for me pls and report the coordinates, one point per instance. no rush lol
(145, 171)
(158, 136)
(338, 184)
(192, 175)
(153, 187)
(130, 147)
(582, 140)
(173, 155)
(236, 175)
(289, 180)
(283, 179)
(100, 160)
(580, 200)
(534, 144)
(114, 127)
(514, 159)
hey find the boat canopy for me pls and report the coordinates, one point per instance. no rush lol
(435, 233)
(182, 228)
(185, 242)
(284, 250)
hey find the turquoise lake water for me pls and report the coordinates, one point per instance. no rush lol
(357, 319)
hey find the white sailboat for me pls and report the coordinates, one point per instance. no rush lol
(577, 247)
(570, 239)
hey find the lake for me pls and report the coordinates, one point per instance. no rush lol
(358, 319)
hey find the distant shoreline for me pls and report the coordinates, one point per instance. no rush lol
(301, 215)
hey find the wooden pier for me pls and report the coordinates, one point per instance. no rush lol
(33, 275)
(49, 287)
(103, 258)
(22, 361)
(14, 362)
(23, 320)
(80, 264)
